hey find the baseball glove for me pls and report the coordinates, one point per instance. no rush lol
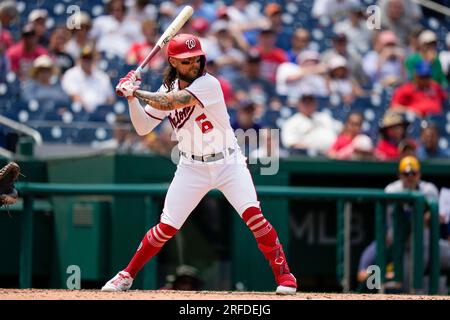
(8, 176)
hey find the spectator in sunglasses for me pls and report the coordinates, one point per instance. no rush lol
(409, 171)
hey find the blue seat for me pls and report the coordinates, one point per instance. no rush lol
(99, 115)
(270, 118)
(55, 134)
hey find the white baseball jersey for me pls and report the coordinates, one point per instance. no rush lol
(204, 128)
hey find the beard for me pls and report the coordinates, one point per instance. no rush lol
(186, 77)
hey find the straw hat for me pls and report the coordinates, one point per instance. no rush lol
(43, 62)
(392, 118)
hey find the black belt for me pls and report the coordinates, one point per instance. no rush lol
(209, 157)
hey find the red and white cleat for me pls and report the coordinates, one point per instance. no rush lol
(287, 284)
(121, 282)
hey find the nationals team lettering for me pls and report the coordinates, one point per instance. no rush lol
(179, 118)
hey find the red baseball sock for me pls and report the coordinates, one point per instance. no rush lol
(267, 239)
(150, 245)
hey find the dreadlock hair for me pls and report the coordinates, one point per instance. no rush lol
(169, 76)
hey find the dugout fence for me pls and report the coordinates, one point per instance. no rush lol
(343, 197)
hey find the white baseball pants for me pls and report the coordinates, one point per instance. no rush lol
(194, 179)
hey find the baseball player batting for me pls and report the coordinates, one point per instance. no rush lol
(210, 158)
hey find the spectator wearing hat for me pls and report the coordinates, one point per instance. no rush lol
(422, 95)
(384, 64)
(271, 56)
(363, 148)
(339, 82)
(58, 40)
(114, 33)
(305, 76)
(428, 147)
(139, 50)
(427, 42)
(444, 58)
(354, 60)
(249, 85)
(309, 130)
(355, 28)
(80, 25)
(38, 18)
(86, 84)
(300, 41)
(228, 59)
(8, 13)
(44, 85)
(333, 9)
(22, 54)
(409, 179)
(393, 136)
(273, 12)
(401, 17)
(351, 143)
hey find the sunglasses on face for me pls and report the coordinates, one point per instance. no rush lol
(410, 174)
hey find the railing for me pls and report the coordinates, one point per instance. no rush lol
(340, 195)
(17, 126)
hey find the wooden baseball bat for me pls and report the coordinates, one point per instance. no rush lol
(170, 32)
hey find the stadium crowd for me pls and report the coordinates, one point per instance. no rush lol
(316, 70)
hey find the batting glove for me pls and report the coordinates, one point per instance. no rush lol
(126, 88)
(130, 77)
(133, 77)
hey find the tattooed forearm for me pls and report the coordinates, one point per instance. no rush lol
(166, 101)
(157, 100)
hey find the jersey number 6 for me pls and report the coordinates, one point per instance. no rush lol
(204, 124)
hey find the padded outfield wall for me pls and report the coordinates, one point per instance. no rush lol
(100, 234)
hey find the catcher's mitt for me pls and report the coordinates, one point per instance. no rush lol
(8, 176)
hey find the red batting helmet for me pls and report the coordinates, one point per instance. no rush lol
(184, 46)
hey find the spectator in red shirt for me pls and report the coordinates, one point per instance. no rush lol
(423, 95)
(343, 148)
(271, 56)
(22, 54)
(393, 140)
(139, 50)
